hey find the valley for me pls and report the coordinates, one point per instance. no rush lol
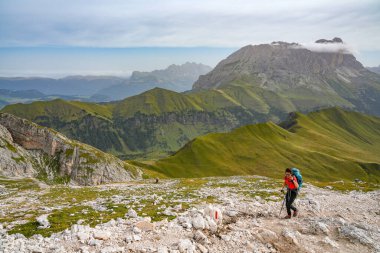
(255, 84)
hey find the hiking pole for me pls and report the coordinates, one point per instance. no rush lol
(283, 202)
(282, 206)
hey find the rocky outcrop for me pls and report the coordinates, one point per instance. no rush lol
(29, 150)
(281, 65)
(334, 40)
(310, 76)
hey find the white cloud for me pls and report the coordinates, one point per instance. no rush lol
(329, 47)
(62, 24)
(126, 23)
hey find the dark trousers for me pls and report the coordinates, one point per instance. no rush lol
(290, 197)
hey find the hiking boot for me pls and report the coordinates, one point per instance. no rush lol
(295, 213)
(287, 217)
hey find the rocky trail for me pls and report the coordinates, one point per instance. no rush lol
(234, 214)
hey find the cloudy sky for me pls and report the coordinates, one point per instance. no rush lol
(59, 37)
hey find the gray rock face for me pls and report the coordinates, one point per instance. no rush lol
(290, 69)
(12, 157)
(334, 40)
(29, 150)
(280, 66)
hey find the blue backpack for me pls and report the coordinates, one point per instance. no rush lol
(296, 172)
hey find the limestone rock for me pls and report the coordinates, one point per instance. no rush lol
(267, 236)
(198, 222)
(162, 249)
(112, 249)
(355, 233)
(291, 236)
(56, 155)
(101, 235)
(43, 221)
(330, 242)
(186, 246)
(200, 237)
(132, 213)
(145, 226)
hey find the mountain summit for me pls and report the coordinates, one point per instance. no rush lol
(174, 77)
(334, 40)
(324, 69)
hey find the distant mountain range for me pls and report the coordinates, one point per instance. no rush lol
(84, 86)
(374, 69)
(327, 145)
(255, 84)
(104, 88)
(175, 77)
(28, 96)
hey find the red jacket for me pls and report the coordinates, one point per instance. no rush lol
(290, 184)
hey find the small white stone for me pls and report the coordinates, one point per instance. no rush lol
(43, 221)
(94, 242)
(136, 237)
(202, 248)
(136, 230)
(83, 236)
(132, 213)
(102, 235)
(112, 249)
(128, 238)
(226, 238)
(186, 246)
(200, 237)
(162, 249)
(198, 222)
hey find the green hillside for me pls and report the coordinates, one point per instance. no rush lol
(158, 122)
(330, 144)
(257, 83)
(155, 102)
(59, 108)
(150, 125)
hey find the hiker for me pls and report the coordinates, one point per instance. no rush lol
(291, 182)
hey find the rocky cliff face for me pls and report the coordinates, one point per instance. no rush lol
(324, 69)
(29, 150)
(282, 65)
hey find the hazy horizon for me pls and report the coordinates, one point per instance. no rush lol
(123, 60)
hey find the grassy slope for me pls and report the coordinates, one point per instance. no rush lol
(155, 101)
(62, 109)
(104, 125)
(331, 144)
(158, 101)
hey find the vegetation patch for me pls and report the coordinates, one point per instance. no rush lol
(18, 159)
(10, 146)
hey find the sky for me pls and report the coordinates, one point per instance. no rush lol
(114, 37)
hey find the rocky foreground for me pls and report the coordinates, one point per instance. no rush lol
(238, 214)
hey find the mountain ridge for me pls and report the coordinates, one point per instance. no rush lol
(292, 70)
(158, 122)
(329, 144)
(178, 78)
